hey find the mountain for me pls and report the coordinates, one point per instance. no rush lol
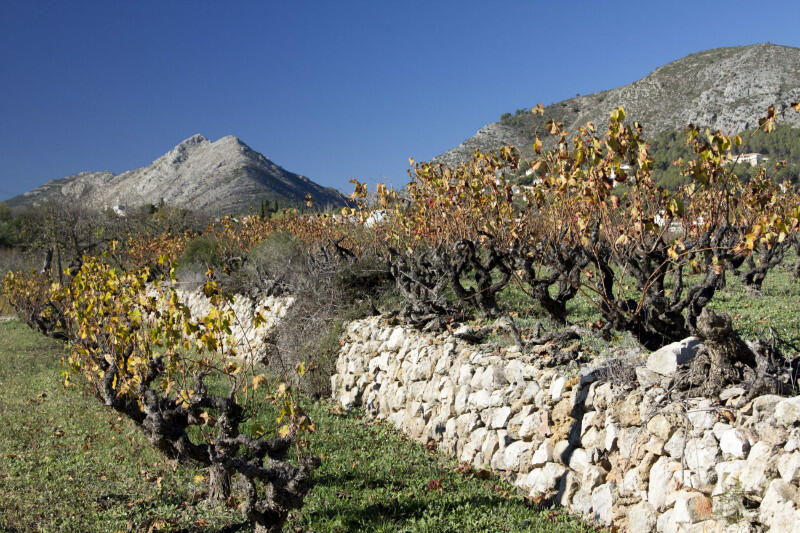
(221, 177)
(724, 88)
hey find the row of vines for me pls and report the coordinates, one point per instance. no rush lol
(593, 222)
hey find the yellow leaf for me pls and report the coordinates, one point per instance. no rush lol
(198, 478)
(259, 380)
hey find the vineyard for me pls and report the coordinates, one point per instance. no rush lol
(463, 249)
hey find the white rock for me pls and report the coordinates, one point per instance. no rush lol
(560, 451)
(779, 506)
(665, 360)
(787, 412)
(701, 455)
(701, 418)
(593, 476)
(396, 339)
(479, 400)
(611, 435)
(516, 455)
(582, 501)
(728, 475)
(734, 444)
(567, 487)
(666, 523)
(676, 444)
(731, 392)
(587, 420)
(789, 467)
(641, 518)
(647, 378)
(602, 502)
(543, 454)
(660, 426)
(661, 482)
(499, 417)
(756, 475)
(720, 428)
(579, 460)
(557, 388)
(542, 480)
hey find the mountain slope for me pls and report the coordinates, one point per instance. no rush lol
(724, 88)
(225, 176)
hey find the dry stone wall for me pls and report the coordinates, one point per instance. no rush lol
(250, 340)
(609, 446)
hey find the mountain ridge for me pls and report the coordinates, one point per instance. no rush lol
(722, 88)
(224, 176)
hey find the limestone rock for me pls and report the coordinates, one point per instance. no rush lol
(641, 518)
(665, 360)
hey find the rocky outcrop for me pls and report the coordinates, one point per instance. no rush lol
(724, 88)
(617, 451)
(221, 177)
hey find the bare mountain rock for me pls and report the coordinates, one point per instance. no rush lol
(225, 176)
(724, 88)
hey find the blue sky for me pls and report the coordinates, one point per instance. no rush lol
(330, 89)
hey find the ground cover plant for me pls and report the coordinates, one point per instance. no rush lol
(70, 464)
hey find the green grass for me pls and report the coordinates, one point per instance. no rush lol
(69, 464)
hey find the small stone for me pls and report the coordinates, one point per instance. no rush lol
(561, 452)
(660, 427)
(602, 503)
(734, 444)
(787, 412)
(517, 454)
(395, 341)
(543, 454)
(641, 518)
(579, 460)
(756, 475)
(647, 378)
(676, 444)
(789, 467)
(731, 392)
(720, 428)
(691, 507)
(544, 479)
(557, 388)
(499, 417)
(593, 476)
(665, 360)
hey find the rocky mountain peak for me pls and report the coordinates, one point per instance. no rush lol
(225, 176)
(723, 88)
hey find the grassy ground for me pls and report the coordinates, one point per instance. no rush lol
(69, 464)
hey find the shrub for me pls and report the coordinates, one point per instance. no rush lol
(330, 293)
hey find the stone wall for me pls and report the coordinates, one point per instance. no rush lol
(600, 441)
(250, 340)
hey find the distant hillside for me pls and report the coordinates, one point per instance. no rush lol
(220, 177)
(725, 88)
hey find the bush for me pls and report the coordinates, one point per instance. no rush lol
(271, 267)
(329, 294)
(204, 252)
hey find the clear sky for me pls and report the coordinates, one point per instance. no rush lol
(329, 89)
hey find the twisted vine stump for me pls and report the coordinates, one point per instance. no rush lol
(727, 360)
